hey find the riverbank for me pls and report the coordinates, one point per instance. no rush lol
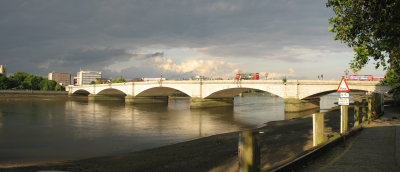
(281, 141)
(29, 93)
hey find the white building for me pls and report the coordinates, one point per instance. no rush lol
(86, 77)
(3, 70)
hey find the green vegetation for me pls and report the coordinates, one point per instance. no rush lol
(4, 82)
(96, 82)
(48, 85)
(372, 29)
(22, 80)
(284, 80)
(119, 80)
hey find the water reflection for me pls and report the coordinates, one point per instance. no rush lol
(49, 129)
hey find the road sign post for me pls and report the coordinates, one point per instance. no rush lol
(343, 87)
(343, 101)
(344, 119)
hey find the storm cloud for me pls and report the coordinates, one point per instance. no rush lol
(122, 37)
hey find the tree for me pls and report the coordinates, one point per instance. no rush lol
(372, 29)
(46, 85)
(5, 83)
(99, 81)
(32, 82)
(17, 79)
(119, 80)
(58, 87)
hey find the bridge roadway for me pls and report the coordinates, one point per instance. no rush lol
(298, 95)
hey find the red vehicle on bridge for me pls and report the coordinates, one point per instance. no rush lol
(247, 76)
(357, 77)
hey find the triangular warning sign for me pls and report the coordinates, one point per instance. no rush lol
(343, 87)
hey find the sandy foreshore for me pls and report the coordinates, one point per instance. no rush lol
(280, 142)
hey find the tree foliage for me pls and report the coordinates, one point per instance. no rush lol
(372, 29)
(22, 80)
(5, 83)
(119, 80)
(17, 79)
(32, 82)
(99, 82)
(58, 87)
(46, 85)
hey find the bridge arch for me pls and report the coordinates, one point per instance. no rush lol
(231, 92)
(111, 91)
(81, 92)
(160, 91)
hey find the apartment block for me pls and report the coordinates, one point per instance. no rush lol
(63, 79)
(86, 77)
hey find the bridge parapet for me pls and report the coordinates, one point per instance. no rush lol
(227, 89)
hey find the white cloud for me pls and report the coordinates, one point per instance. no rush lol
(200, 67)
(274, 75)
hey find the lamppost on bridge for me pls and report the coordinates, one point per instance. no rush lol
(346, 72)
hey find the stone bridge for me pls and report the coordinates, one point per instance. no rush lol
(299, 95)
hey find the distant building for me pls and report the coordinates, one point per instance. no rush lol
(86, 77)
(75, 80)
(103, 80)
(3, 70)
(63, 79)
(136, 80)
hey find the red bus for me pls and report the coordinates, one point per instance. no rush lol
(247, 76)
(357, 77)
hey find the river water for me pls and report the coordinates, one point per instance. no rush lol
(39, 129)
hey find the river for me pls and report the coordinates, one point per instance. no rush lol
(40, 129)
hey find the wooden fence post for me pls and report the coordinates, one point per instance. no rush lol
(356, 114)
(249, 151)
(364, 110)
(318, 128)
(369, 107)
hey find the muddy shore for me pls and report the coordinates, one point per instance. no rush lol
(280, 142)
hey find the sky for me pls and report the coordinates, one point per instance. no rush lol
(178, 38)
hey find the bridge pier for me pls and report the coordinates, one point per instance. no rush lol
(297, 105)
(92, 97)
(146, 100)
(205, 103)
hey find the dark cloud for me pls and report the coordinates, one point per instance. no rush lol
(43, 36)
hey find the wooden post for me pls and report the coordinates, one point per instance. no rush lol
(343, 118)
(318, 128)
(364, 110)
(249, 151)
(369, 107)
(378, 103)
(382, 104)
(356, 114)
